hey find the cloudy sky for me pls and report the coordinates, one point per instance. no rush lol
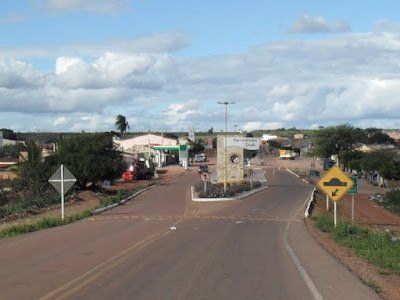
(73, 65)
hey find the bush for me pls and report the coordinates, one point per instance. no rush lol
(120, 195)
(391, 201)
(217, 190)
(31, 204)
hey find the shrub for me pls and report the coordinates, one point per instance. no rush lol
(120, 195)
(31, 204)
(217, 190)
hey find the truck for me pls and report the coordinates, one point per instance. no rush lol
(286, 153)
(144, 169)
(141, 169)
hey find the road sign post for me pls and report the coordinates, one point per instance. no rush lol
(335, 183)
(62, 180)
(327, 203)
(353, 191)
(205, 177)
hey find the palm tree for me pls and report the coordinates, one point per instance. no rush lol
(121, 123)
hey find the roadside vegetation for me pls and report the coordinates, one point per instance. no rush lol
(374, 246)
(390, 201)
(45, 223)
(217, 190)
(342, 141)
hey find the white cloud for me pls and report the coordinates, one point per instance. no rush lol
(309, 24)
(59, 121)
(282, 84)
(17, 74)
(95, 6)
(151, 43)
(280, 91)
(250, 126)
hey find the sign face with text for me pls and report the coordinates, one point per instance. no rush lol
(335, 183)
(244, 142)
(354, 189)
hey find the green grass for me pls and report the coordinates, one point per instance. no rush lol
(375, 247)
(121, 194)
(54, 222)
(32, 203)
(391, 201)
(373, 285)
(42, 224)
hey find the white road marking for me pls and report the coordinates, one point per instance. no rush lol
(311, 286)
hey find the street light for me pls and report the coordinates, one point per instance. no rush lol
(226, 103)
(236, 125)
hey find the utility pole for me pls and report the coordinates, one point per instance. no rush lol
(226, 103)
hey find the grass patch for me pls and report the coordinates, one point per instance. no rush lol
(29, 204)
(375, 247)
(391, 201)
(54, 222)
(373, 285)
(42, 224)
(120, 195)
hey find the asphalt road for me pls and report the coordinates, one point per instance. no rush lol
(164, 246)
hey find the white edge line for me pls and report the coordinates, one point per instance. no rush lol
(311, 286)
(290, 171)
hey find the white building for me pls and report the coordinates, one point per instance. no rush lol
(147, 145)
(268, 137)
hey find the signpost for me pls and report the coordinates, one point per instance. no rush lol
(62, 180)
(353, 191)
(205, 177)
(335, 183)
(184, 155)
(251, 175)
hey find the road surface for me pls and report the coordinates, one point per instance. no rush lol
(162, 245)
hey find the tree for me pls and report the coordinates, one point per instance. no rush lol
(8, 134)
(334, 140)
(211, 130)
(33, 173)
(121, 124)
(380, 138)
(11, 151)
(91, 158)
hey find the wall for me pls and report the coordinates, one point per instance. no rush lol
(234, 169)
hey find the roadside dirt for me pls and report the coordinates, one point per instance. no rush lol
(88, 200)
(367, 213)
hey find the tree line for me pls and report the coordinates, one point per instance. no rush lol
(342, 141)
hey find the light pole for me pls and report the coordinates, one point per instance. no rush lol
(236, 125)
(226, 103)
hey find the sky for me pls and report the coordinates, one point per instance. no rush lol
(74, 65)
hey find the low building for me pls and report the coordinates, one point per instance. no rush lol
(374, 147)
(151, 146)
(299, 136)
(394, 135)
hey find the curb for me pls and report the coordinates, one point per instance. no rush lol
(307, 212)
(123, 201)
(243, 195)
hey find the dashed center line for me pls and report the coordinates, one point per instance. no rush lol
(174, 217)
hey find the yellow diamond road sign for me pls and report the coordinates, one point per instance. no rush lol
(335, 183)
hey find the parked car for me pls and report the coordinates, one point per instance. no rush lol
(200, 157)
(203, 169)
